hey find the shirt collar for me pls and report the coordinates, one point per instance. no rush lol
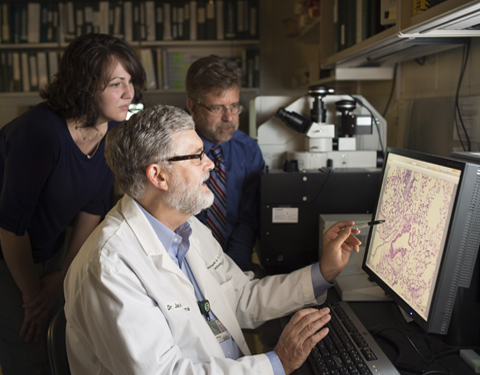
(175, 243)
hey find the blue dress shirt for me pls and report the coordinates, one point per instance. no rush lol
(244, 166)
(177, 245)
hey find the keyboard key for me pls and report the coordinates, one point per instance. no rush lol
(368, 354)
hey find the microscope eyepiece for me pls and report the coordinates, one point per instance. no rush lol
(293, 120)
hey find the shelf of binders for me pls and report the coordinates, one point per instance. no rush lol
(352, 34)
(135, 21)
(166, 67)
(25, 69)
(30, 31)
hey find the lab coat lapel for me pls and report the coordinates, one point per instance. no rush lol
(149, 240)
(215, 295)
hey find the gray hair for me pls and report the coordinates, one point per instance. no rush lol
(144, 139)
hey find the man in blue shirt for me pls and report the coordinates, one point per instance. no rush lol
(152, 292)
(213, 88)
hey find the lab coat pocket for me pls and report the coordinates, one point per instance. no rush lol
(229, 292)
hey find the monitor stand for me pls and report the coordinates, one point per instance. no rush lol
(353, 283)
(358, 287)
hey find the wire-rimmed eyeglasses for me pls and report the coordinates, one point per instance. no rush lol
(220, 110)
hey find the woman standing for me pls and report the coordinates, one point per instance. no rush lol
(53, 172)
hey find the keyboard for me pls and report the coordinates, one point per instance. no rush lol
(348, 348)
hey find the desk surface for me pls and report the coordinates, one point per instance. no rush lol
(393, 337)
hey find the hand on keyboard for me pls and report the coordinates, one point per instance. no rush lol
(300, 335)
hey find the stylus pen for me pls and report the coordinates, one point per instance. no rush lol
(367, 224)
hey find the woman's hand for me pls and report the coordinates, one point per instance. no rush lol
(38, 308)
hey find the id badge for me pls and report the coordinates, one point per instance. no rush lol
(218, 330)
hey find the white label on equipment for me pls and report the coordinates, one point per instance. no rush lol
(285, 215)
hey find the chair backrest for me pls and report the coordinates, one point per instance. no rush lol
(57, 351)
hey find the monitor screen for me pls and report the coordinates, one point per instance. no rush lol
(426, 248)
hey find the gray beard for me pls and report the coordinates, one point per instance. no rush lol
(183, 198)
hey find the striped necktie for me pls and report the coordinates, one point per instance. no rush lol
(217, 213)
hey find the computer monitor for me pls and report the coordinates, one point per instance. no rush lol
(427, 247)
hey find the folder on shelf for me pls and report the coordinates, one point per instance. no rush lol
(16, 71)
(66, 22)
(128, 20)
(186, 19)
(33, 27)
(230, 19)
(18, 23)
(90, 16)
(167, 21)
(146, 59)
(70, 21)
(11, 74)
(52, 64)
(5, 22)
(150, 23)
(33, 70)
(193, 20)
(219, 25)
(177, 66)
(180, 12)
(159, 19)
(210, 21)
(103, 17)
(241, 19)
(45, 23)
(253, 17)
(251, 67)
(4, 72)
(201, 20)
(24, 72)
(159, 67)
(79, 14)
(116, 24)
(166, 84)
(143, 34)
(42, 69)
(174, 19)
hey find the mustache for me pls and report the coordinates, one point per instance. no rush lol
(227, 124)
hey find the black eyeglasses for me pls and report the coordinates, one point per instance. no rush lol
(220, 110)
(187, 157)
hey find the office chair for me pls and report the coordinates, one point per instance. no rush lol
(56, 347)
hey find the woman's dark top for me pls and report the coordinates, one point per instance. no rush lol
(45, 179)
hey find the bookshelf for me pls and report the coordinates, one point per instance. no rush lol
(161, 28)
(443, 26)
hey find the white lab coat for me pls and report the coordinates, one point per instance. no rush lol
(131, 310)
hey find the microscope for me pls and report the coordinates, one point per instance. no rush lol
(323, 137)
(340, 131)
(322, 151)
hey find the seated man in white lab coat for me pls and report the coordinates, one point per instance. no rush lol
(151, 291)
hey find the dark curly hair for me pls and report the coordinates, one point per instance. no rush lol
(86, 65)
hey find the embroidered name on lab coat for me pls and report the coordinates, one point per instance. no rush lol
(216, 264)
(175, 306)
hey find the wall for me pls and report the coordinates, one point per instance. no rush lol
(282, 56)
(421, 114)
